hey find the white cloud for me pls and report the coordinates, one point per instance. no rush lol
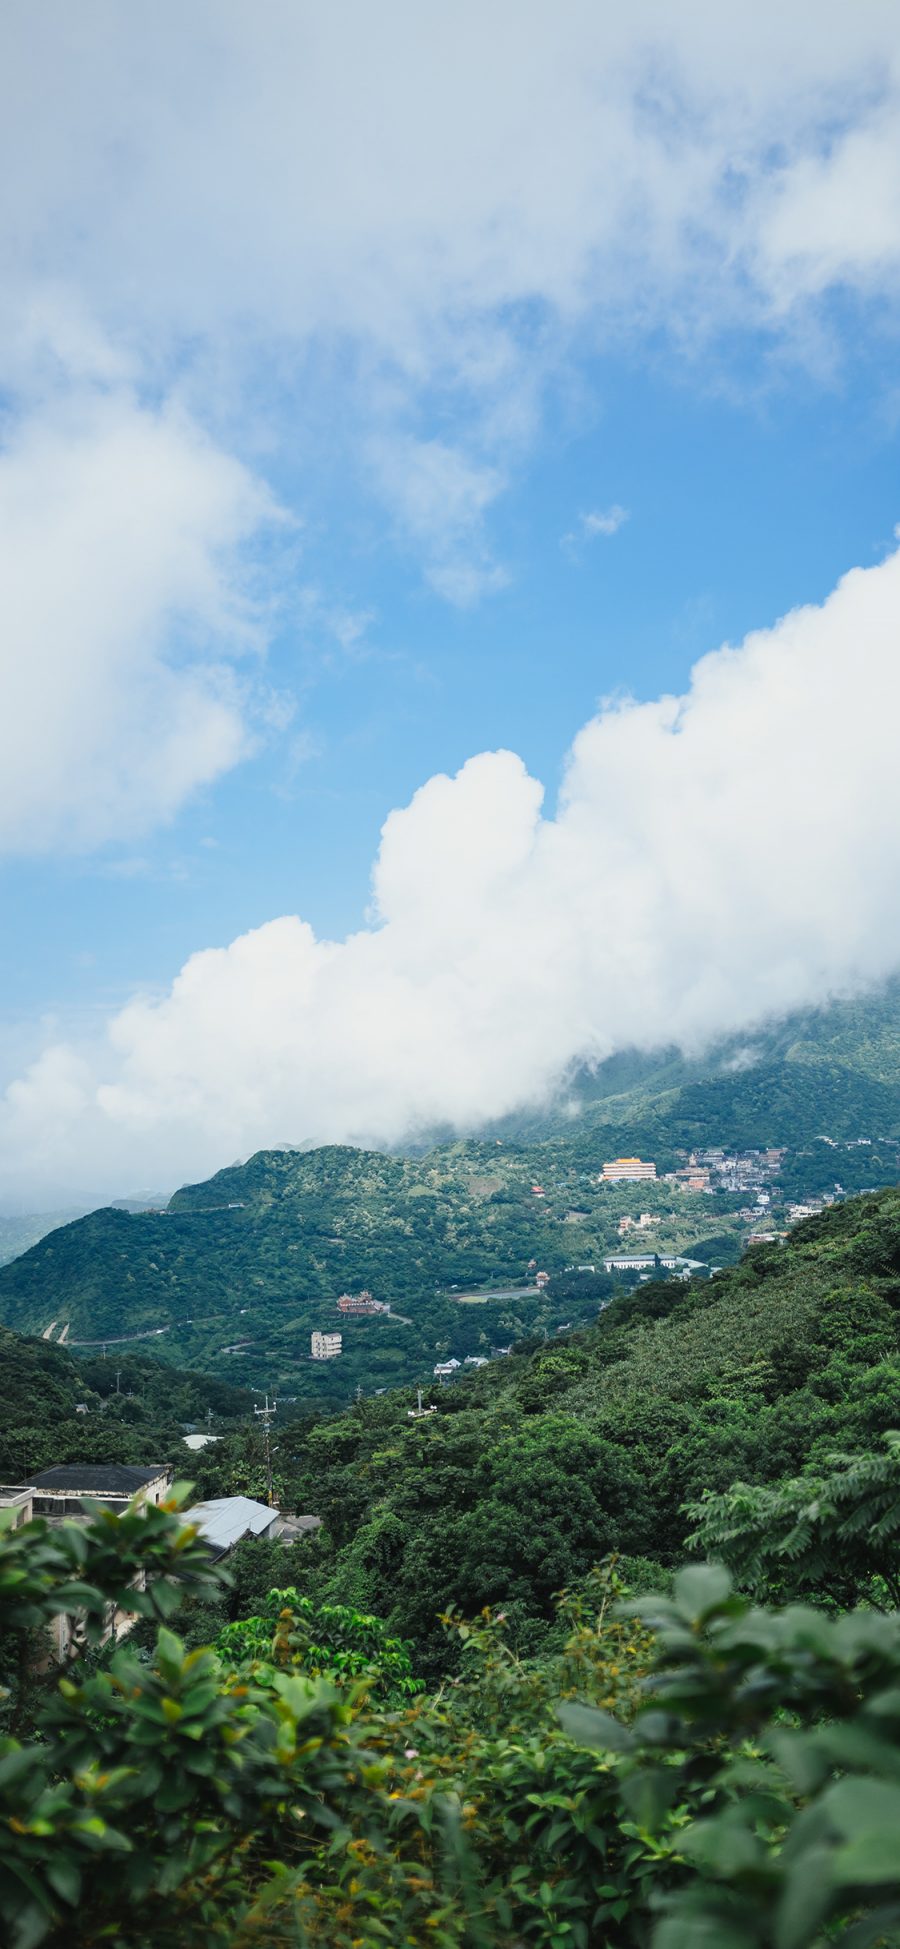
(715, 858)
(440, 495)
(597, 522)
(120, 534)
(429, 210)
(604, 524)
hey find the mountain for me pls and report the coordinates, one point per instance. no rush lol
(833, 1071)
(235, 1274)
(531, 1470)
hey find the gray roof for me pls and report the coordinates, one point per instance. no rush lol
(226, 1519)
(112, 1479)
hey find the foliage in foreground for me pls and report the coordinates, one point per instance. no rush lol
(691, 1771)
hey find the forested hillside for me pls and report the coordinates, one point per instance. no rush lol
(237, 1272)
(129, 1409)
(550, 1770)
(536, 1467)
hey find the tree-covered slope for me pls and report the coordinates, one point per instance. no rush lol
(57, 1408)
(539, 1464)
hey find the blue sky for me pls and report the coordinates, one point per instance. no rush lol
(739, 508)
(328, 361)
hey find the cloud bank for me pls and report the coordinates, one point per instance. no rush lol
(714, 859)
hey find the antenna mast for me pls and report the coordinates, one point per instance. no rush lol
(266, 1414)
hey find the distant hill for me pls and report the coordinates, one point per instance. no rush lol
(19, 1230)
(236, 1273)
(130, 1409)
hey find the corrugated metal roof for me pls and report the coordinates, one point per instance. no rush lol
(228, 1518)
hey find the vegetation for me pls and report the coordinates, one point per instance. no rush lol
(397, 1730)
(135, 1408)
(680, 1771)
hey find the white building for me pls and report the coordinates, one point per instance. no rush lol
(326, 1346)
(627, 1170)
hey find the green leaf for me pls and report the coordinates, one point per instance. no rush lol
(588, 1726)
(65, 1877)
(701, 1589)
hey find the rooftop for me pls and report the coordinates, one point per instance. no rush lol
(112, 1479)
(227, 1518)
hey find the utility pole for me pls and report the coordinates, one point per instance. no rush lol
(266, 1414)
(118, 1380)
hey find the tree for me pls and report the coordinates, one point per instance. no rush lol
(835, 1532)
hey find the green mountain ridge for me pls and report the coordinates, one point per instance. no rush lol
(237, 1272)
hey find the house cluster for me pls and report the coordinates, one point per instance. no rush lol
(645, 1223)
(66, 1493)
(447, 1370)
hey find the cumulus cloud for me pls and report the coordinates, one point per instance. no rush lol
(120, 534)
(715, 858)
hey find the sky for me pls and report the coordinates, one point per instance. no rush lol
(448, 550)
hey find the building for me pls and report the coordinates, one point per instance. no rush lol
(691, 1177)
(628, 1170)
(653, 1262)
(446, 1369)
(645, 1223)
(224, 1522)
(631, 1262)
(59, 1492)
(475, 1360)
(326, 1346)
(20, 1502)
(355, 1303)
(542, 1280)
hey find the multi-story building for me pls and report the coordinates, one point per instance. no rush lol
(627, 1170)
(326, 1346)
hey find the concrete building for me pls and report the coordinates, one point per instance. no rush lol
(628, 1170)
(326, 1346)
(58, 1492)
